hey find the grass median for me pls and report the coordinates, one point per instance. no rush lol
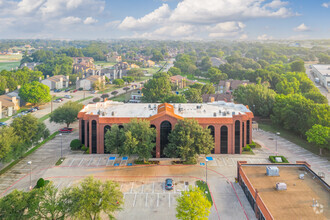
(204, 188)
(51, 137)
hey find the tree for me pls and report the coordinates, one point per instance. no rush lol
(193, 95)
(93, 197)
(205, 64)
(114, 92)
(128, 79)
(35, 93)
(126, 89)
(53, 204)
(97, 99)
(139, 139)
(298, 66)
(208, 89)
(174, 71)
(25, 127)
(157, 56)
(316, 97)
(175, 99)
(18, 205)
(216, 75)
(114, 140)
(104, 96)
(135, 72)
(118, 82)
(98, 85)
(157, 89)
(189, 139)
(320, 136)
(193, 204)
(7, 139)
(66, 114)
(259, 98)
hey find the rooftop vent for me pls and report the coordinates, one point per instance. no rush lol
(215, 114)
(219, 111)
(112, 113)
(233, 113)
(272, 171)
(149, 106)
(281, 186)
(301, 176)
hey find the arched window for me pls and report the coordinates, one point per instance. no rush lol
(248, 132)
(106, 128)
(94, 137)
(154, 141)
(120, 126)
(165, 130)
(237, 136)
(211, 127)
(243, 134)
(224, 140)
(83, 131)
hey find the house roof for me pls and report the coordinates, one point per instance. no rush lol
(93, 78)
(56, 78)
(6, 101)
(217, 97)
(177, 78)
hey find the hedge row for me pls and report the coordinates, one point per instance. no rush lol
(272, 159)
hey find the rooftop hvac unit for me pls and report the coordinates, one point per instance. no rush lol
(301, 176)
(228, 112)
(113, 113)
(149, 106)
(215, 114)
(272, 171)
(233, 113)
(219, 111)
(281, 186)
(224, 114)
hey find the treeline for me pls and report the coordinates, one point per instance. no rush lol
(17, 138)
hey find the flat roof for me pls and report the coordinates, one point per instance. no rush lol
(323, 69)
(295, 202)
(146, 110)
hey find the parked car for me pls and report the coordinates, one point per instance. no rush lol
(65, 130)
(37, 108)
(93, 92)
(169, 184)
(57, 90)
(3, 124)
(75, 90)
(58, 100)
(68, 96)
(67, 90)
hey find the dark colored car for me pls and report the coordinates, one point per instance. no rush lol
(65, 130)
(168, 184)
(67, 90)
(3, 124)
(57, 90)
(37, 108)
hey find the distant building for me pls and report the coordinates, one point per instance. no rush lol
(136, 96)
(30, 66)
(56, 82)
(323, 73)
(179, 81)
(114, 57)
(230, 85)
(8, 105)
(227, 97)
(303, 193)
(87, 83)
(148, 63)
(83, 64)
(117, 71)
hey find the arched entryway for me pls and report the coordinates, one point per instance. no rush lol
(165, 130)
(237, 136)
(211, 127)
(243, 134)
(87, 144)
(224, 140)
(82, 131)
(94, 137)
(154, 141)
(248, 132)
(106, 128)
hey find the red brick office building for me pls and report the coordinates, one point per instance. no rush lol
(230, 124)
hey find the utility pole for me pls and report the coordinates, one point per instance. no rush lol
(277, 134)
(30, 163)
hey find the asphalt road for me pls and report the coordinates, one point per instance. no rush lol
(321, 88)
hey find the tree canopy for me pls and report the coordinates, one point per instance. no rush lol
(66, 113)
(35, 93)
(320, 136)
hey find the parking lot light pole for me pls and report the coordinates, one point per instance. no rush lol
(61, 145)
(30, 163)
(277, 134)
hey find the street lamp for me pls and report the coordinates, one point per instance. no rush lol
(61, 144)
(30, 163)
(277, 134)
(206, 169)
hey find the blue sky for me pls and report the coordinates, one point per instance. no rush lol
(165, 19)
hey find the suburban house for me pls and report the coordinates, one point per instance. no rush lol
(227, 97)
(83, 64)
(230, 85)
(116, 72)
(180, 81)
(8, 106)
(148, 63)
(114, 57)
(56, 82)
(136, 96)
(87, 83)
(30, 66)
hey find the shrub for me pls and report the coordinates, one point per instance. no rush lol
(40, 183)
(252, 145)
(272, 159)
(75, 144)
(96, 99)
(83, 148)
(247, 148)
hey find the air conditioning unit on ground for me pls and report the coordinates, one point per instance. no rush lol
(272, 171)
(281, 186)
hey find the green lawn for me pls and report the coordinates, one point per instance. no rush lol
(104, 63)
(290, 136)
(8, 65)
(204, 188)
(122, 98)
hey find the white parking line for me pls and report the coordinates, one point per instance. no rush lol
(157, 199)
(147, 200)
(71, 162)
(153, 187)
(142, 188)
(89, 163)
(69, 185)
(58, 185)
(81, 162)
(98, 162)
(224, 161)
(132, 187)
(134, 200)
(169, 200)
(217, 162)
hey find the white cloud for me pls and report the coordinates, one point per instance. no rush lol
(276, 4)
(70, 20)
(264, 37)
(226, 29)
(214, 11)
(90, 20)
(301, 28)
(147, 21)
(326, 4)
(244, 37)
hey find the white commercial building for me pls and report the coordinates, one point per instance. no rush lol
(323, 73)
